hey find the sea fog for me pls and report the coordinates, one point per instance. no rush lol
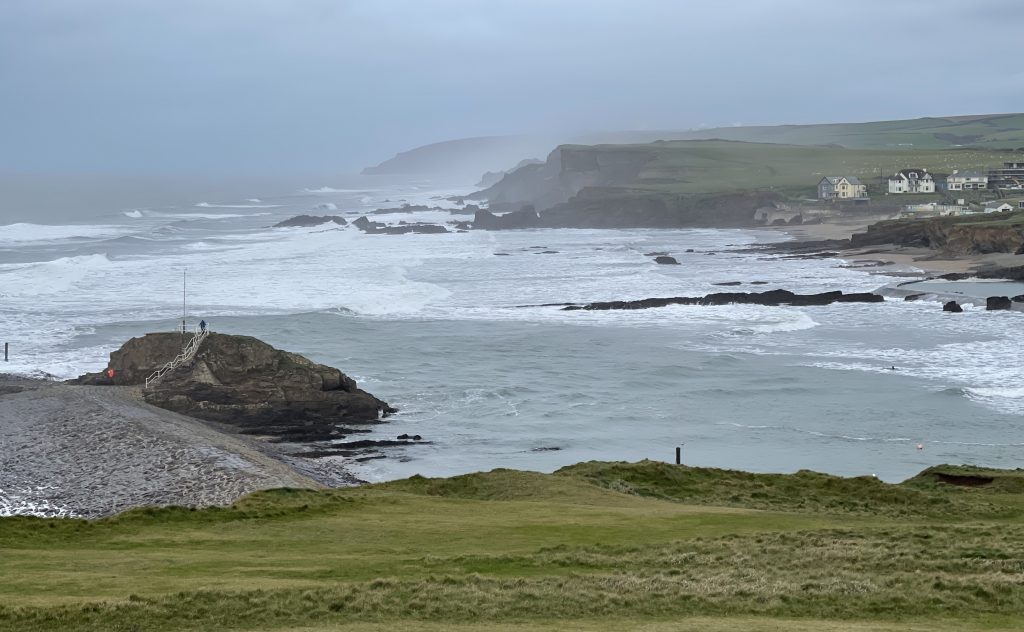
(450, 329)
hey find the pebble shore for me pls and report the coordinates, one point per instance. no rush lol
(92, 451)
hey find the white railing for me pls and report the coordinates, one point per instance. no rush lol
(186, 355)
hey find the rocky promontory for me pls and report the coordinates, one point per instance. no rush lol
(956, 235)
(244, 382)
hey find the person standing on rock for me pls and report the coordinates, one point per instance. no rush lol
(202, 325)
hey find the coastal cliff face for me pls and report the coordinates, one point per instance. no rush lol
(624, 208)
(607, 186)
(966, 235)
(568, 170)
(245, 382)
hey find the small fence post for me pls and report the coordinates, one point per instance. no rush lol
(6, 348)
(679, 456)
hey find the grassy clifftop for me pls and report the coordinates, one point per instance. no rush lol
(594, 546)
(470, 157)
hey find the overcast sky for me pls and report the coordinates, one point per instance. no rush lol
(294, 86)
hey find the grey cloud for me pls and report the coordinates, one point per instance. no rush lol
(244, 86)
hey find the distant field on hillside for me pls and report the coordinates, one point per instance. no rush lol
(470, 157)
(1004, 131)
(595, 546)
(688, 167)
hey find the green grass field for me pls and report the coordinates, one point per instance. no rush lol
(715, 166)
(1003, 131)
(595, 546)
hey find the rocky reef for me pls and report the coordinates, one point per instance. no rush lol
(771, 297)
(402, 228)
(244, 382)
(310, 220)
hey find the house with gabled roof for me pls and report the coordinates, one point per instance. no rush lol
(841, 188)
(912, 181)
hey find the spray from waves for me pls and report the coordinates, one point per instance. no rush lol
(134, 214)
(208, 205)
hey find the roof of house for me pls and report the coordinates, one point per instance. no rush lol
(836, 179)
(912, 174)
(967, 174)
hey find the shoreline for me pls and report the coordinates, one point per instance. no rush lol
(95, 451)
(922, 262)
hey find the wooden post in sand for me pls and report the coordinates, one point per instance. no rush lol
(6, 347)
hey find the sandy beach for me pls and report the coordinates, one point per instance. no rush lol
(101, 450)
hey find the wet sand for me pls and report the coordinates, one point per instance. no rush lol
(94, 451)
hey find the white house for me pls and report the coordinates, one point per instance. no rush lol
(1004, 207)
(966, 180)
(841, 188)
(912, 181)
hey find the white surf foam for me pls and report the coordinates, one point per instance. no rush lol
(23, 233)
(134, 214)
(334, 190)
(208, 215)
(209, 205)
(50, 277)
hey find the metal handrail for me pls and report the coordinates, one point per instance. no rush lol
(186, 355)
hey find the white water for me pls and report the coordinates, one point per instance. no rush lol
(448, 328)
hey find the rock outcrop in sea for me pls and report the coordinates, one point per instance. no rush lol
(310, 220)
(244, 382)
(771, 297)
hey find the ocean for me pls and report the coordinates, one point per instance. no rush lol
(452, 330)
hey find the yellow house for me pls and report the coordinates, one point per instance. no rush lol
(841, 188)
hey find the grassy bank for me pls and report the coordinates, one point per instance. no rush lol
(715, 166)
(595, 546)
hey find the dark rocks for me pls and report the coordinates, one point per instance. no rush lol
(729, 283)
(409, 437)
(913, 297)
(310, 220)
(993, 303)
(666, 260)
(771, 297)
(952, 306)
(759, 283)
(406, 208)
(1018, 299)
(376, 228)
(244, 382)
(468, 209)
(689, 250)
(526, 217)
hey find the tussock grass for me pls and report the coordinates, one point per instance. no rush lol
(804, 491)
(594, 546)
